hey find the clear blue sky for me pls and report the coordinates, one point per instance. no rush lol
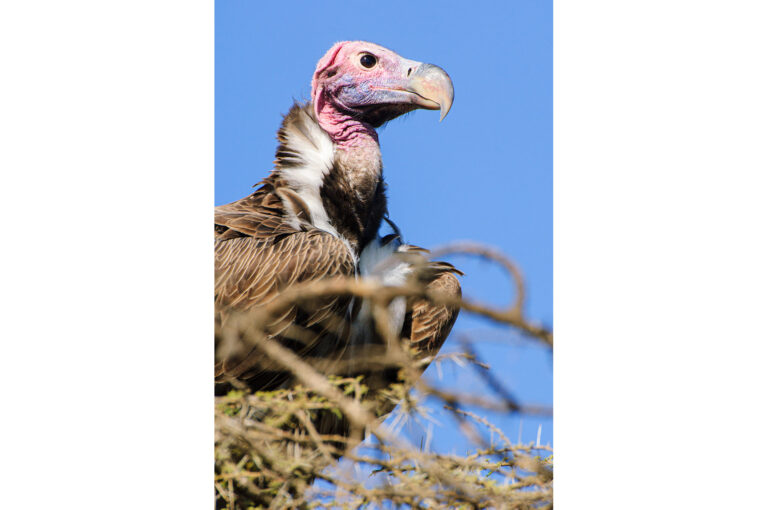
(483, 174)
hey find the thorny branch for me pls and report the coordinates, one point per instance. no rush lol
(268, 452)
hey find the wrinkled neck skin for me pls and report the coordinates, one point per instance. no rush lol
(357, 147)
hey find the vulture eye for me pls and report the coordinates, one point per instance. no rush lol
(368, 61)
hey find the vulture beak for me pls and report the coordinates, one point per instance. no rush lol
(432, 88)
(397, 90)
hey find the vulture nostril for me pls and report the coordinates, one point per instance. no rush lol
(409, 71)
(331, 74)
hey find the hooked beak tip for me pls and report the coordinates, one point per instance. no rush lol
(444, 109)
(433, 83)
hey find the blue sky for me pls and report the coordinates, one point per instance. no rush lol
(483, 174)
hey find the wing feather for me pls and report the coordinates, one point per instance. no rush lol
(428, 325)
(257, 256)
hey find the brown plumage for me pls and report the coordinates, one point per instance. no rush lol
(259, 254)
(427, 325)
(266, 242)
(317, 216)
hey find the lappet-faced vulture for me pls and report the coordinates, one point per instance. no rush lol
(317, 215)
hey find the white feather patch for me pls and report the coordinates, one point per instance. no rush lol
(379, 263)
(316, 157)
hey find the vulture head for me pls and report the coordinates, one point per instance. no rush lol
(371, 84)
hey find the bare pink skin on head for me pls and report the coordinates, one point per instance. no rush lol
(358, 86)
(345, 131)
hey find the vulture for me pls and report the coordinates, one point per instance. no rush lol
(318, 215)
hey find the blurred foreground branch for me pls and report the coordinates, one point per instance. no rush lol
(269, 452)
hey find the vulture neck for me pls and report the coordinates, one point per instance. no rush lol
(344, 165)
(356, 145)
(347, 132)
